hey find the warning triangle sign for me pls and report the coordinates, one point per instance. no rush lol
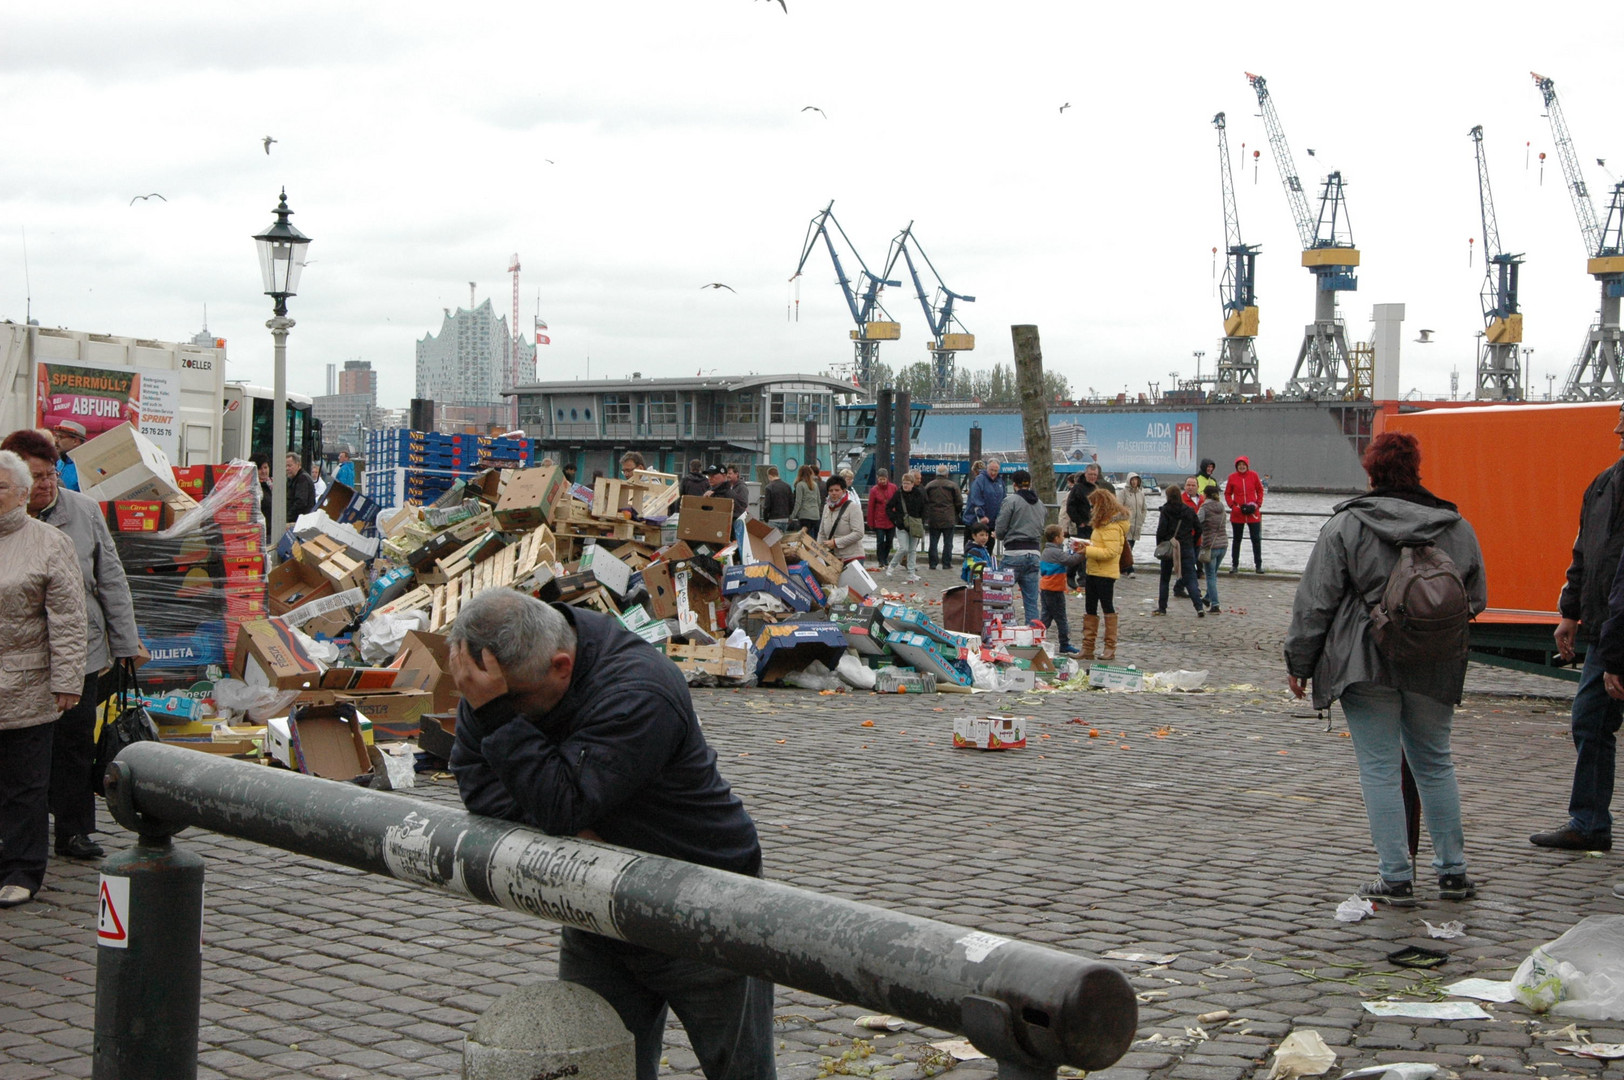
(113, 913)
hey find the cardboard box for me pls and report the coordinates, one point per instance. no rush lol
(1036, 658)
(314, 524)
(267, 654)
(294, 583)
(764, 577)
(782, 648)
(763, 544)
(990, 732)
(717, 660)
(857, 579)
(322, 740)
(121, 463)
(1115, 677)
(652, 630)
(821, 561)
(705, 520)
(436, 733)
(606, 568)
(424, 661)
(139, 516)
(527, 497)
(925, 654)
(395, 713)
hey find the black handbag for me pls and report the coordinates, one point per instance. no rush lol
(131, 725)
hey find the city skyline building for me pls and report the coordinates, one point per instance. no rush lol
(462, 369)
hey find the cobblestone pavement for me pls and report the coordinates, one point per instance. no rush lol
(1221, 828)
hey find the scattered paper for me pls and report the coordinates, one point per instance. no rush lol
(881, 1023)
(1140, 957)
(1452, 929)
(1483, 989)
(1302, 1053)
(1398, 1070)
(1428, 1010)
(1353, 909)
(1599, 1051)
(960, 1049)
(1213, 1017)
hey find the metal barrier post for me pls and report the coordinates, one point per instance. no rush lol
(1031, 1007)
(149, 960)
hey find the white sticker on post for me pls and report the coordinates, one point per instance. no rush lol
(113, 913)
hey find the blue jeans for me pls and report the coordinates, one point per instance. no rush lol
(1187, 574)
(1213, 566)
(728, 1017)
(1595, 727)
(1025, 565)
(1386, 724)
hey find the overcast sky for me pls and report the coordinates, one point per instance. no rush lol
(414, 141)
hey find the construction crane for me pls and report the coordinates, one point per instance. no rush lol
(1595, 375)
(944, 341)
(513, 347)
(1237, 360)
(863, 300)
(1499, 376)
(1324, 368)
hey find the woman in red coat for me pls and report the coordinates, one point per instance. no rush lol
(1244, 494)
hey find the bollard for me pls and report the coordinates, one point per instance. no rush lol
(149, 960)
(548, 1031)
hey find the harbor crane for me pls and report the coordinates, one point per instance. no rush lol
(1596, 374)
(1237, 360)
(1324, 366)
(1499, 375)
(944, 341)
(863, 299)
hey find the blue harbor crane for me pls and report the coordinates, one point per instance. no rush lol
(1237, 360)
(1499, 376)
(1324, 364)
(863, 300)
(944, 341)
(1596, 374)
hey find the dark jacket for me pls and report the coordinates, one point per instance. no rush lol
(621, 754)
(944, 503)
(906, 504)
(301, 495)
(986, 499)
(1596, 552)
(1077, 505)
(739, 492)
(1177, 521)
(1329, 640)
(693, 484)
(777, 501)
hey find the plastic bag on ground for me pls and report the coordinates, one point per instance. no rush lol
(258, 703)
(738, 639)
(1176, 680)
(1580, 974)
(1302, 1053)
(983, 676)
(382, 634)
(855, 673)
(814, 677)
(324, 653)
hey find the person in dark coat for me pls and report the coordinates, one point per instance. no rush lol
(944, 505)
(1080, 511)
(777, 501)
(573, 725)
(693, 481)
(301, 489)
(1178, 525)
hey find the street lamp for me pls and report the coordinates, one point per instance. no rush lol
(281, 258)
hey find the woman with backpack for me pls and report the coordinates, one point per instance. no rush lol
(1397, 671)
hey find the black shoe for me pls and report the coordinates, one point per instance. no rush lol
(1215, 609)
(1200, 612)
(79, 847)
(1455, 887)
(1567, 838)
(1396, 893)
(1233, 570)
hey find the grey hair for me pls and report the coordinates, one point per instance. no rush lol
(523, 633)
(18, 468)
(941, 470)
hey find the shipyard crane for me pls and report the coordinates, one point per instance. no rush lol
(1596, 374)
(1237, 360)
(1499, 376)
(863, 300)
(1324, 366)
(944, 341)
(513, 347)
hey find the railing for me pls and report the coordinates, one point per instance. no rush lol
(631, 432)
(1031, 1007)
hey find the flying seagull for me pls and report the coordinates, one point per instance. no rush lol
(814, 108)
(1066, 106)
(719, 285)
(154, 195)
(1310, 151)
(268, 141)
(1425, 338)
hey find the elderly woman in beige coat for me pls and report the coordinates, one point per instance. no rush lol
(42, 671)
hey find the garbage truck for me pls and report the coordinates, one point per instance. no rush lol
(175, 393)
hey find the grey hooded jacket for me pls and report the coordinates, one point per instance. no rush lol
(109, 611)
(1329, 640)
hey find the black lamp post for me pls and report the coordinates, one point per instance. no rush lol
(281, 258)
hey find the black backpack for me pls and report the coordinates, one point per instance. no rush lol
(1423, 612)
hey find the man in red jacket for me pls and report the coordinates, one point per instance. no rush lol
(1244, 494)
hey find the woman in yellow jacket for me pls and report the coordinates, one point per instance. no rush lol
(1110, 523)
